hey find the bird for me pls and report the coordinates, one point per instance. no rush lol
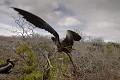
(63, 46)
(5, 68)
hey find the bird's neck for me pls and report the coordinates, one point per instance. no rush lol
(10, 62)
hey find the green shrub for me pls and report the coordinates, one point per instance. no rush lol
(2, 61)
(53, 71)
(33, 76)
(28, 69)
(22, 48)
(30, 60)
(60, 66)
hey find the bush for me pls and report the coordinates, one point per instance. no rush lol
(33, 76)
(29, 57)
(2, 62)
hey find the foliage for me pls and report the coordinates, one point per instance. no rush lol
(32, 76)
(29, 57)
(60, 67)
(2, 62)
(94, 60)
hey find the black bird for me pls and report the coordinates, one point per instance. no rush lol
(63, 46)
(5, 68)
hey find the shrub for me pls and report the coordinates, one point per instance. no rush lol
(33, 76)
(2, 62)
(29, 57)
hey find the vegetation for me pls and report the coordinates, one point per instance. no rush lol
(38, 59)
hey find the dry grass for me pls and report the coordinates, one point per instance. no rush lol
(95, 60)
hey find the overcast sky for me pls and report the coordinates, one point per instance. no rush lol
(97, 18)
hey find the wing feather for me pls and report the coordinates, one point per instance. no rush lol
(37, 21)
(74, 35)
(71, 36)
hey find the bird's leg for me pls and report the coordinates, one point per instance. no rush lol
(71, 61)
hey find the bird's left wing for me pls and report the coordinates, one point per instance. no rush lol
(37, 21)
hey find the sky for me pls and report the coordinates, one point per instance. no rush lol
(96, 18)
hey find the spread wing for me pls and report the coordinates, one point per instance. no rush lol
(71, 36)
(75, 35)
(37, 21)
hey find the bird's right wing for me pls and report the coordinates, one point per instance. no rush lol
(37, 21)
(71, 36)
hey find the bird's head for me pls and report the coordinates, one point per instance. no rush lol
(12, 61)
(8, 60)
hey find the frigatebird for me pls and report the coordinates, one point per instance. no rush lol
(63, 46)
(5, 68)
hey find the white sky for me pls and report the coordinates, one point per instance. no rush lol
(97, 18)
